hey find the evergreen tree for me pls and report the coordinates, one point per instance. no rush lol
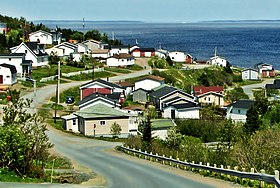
(253, 121)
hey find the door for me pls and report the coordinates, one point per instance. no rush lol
(172, 114)
(1, 79)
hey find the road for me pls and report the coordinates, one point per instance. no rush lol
(117, 169)
(248, 89)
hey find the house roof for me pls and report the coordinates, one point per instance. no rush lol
(122, 56)
(67, 44)
(163, 91)
(34, 46)
(199, 90)
(119, 46)
(275, 85)
(140, 89)
(100, 111)
(210, 93)
(93, 41)
(177, 91)
(105, 51)
(27, 62)
(244, 103)
(126, 84)
(95, 96)
(69, 117)
(112, 85)
(40, 31)
(250, 69)
(11, 67)
(145, 49)
(151, 77)
(184, 106)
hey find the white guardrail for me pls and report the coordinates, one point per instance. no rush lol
(274, 179)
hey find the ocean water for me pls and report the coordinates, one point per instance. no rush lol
(242, 44)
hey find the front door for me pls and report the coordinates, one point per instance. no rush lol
(1, 79)
(172, 114)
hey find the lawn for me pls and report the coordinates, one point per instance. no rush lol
(158, 124)
(84, 77)
(135, 67)
(249, 82)
(117, 69)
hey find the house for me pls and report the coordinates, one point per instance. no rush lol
(56, 37)
(34, 52)
(70, 123)
(160, 127)
(161, 53)
(140, 95)
(8, 74)
(149, 82)
(159, 92)
(99, 86)
(250, 74)
(23, 67)
(127, 86)
(103, 54)
(98, 119)
(97, 98)
(118, 49)
(209, 95)
(63, 49)
(41, 37)
(237, 111)
(275, 85)
(188, 110)
(177, 56)
(218, 61)
(93, 45)
(120, 60)
(82, 48)
(143, 52)
(133, 48)
(265, 69)
(3, 27)
(175, 100)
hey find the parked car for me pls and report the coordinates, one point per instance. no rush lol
(69, 100)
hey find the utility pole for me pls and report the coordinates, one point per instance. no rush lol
(35, 100)
(58, 83)
(83, 29)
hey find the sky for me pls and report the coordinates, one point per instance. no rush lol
(142, 10)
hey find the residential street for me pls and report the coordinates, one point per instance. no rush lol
(116, 169)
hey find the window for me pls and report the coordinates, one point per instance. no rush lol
(10, 59)
(8, 76)
(209, 99)
(102, 123)
(74, 122)
(238, 111)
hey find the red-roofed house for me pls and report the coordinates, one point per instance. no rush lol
(143, 52)
(210, 95)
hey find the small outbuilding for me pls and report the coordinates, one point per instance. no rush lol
(8, 74)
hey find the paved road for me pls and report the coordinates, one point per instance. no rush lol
(248, 89)
(119, 170)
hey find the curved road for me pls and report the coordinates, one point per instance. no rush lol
(119, 170)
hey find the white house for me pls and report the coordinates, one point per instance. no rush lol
(70, 123)
(250, 74)
(24, 67)
(161, 53)
(218, 61)
(100, 53)
(177, 56)
(120, 60)
(93, 45)
(188, 110)
(3, 27)
(56, 36)
(149, 82)
(118, 49)
(237, 111)
(41, 36)
(8, 74)
(63, 49)
(82, 48)
(33, 51)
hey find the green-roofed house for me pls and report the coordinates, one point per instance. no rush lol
(98, 119)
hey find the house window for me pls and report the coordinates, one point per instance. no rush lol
(209, 99)
(26, 51)
(74, 122)
(10, 59)
(238, 111)
(102, 123)
(8, 76)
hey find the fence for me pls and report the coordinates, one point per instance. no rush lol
(83, 72)
(274, 179)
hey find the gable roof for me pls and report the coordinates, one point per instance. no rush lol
(175, 99)
(151, 77)
(11, 67)
(93, 41)
(126, 84)
(12, 55)
(250, 69)
(33, 47)
(119, 46)
(66, 44)
(275, 85)
(103, 82)
(122, 56)
(244, 103)
(199, 90)
(184, 106)
(210, 93)
(96, 96)
(40, 31)
(144, 49)
(177, 91)
(163, 91)
(100, 111)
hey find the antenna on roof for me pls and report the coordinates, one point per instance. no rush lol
(113, 35)
(215, 51)
(136, 42)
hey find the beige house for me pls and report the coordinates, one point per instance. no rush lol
(211, 98)
(97, 121)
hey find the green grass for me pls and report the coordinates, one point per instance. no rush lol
(73, 92)
(117, 69)
(249, 82)
(135, 67)
(58, 125)
(8, 176)
(84, 77)
(161, 124)
(59, 162)
(52, 106)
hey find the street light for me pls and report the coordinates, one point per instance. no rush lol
(34, 91)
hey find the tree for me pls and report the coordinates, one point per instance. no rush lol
(23, 141)
(116, 129)
(228, 134)
(147, 130)
(93, 34)
(236, 94)
(253, 122)
(174, 138)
